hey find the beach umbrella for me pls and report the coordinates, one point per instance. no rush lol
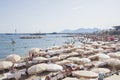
(85, 74)
(69, 78)
(63, 62)
(81, 47)
(79, 50)
(103, 56)
(54, 67)
(68, 50)
(85, 60)
(99, 63)
(98, 50)
(115, 55)
(89, 48)
(40, 59)
(105, 46)
(113, 46)
(113, 62)
(34, 77)
(13, 58)
(88, 52)
(88, 65)
(74, 59)
(54, 58)
(63, 56)
(52, 52)
(113, 77)
(5, 65)
(41, 53)
(37, 68)
(55, 47)
(101, 42)
(106, 51)
(93, 57)
(118, 52)
(95, 44)
(34, 51)
(101, 70)
(118, 44)
(73, 54)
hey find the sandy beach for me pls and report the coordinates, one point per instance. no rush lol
(88, 60)
(59, 39)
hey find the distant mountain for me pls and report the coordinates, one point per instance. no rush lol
(66, 31)
(80, 30)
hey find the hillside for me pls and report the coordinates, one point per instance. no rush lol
(80, 30)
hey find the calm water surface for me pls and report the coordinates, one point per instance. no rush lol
(22, 46)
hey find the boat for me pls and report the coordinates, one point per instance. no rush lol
(38, 34)
(12, 42)
(30, 37)
(9, 33)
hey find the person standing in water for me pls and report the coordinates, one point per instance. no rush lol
(101, 76)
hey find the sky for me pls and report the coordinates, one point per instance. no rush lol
(56, 15)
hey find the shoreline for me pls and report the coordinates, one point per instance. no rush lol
(88, 52)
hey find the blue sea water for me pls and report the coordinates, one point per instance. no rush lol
(22, 46)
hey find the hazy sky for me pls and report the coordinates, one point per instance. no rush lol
(57, 15)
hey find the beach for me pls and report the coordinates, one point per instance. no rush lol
(88, 58)
(59, 40)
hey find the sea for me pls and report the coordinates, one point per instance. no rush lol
(13, 44)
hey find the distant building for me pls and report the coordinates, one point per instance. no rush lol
(117, 28)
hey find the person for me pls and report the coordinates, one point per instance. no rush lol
(27, 66)
(112, 38)
(46, 50)
(49, 62)
(81, 68)
(68, 71)
(117, 73)
(47, 56)
(47, 78)
(101, 76)
(68, 64)
(26, 72)
(13, 69)
(53, 77)
(60, 75)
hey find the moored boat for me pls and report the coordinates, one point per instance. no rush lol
(30, 37)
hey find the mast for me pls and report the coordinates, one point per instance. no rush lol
(15, 31)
